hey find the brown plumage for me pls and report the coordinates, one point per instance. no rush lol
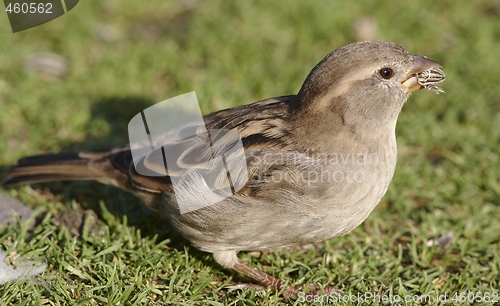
(318, 162)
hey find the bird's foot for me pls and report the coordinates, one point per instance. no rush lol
(315, 289)
(293, 293)
(311, 291)
(272, 282)
(247, 286)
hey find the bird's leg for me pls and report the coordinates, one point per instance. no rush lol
(269, 281)
(266, 279)
(229, 259)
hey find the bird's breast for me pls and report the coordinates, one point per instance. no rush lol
(357, 184)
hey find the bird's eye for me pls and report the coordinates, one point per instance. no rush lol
(386, 73)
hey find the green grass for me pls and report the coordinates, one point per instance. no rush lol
(233, 53)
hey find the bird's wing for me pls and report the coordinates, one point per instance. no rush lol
(259, 125)
(254, 127)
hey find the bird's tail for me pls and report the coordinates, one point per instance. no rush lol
(58, 167)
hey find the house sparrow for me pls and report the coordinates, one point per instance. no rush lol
(318, 162)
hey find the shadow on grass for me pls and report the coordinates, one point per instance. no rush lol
(116, 112)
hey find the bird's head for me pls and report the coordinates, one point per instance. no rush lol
(367, 81)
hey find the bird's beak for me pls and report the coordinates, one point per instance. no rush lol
(419, 64)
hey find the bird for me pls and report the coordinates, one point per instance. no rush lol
(317, 162)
